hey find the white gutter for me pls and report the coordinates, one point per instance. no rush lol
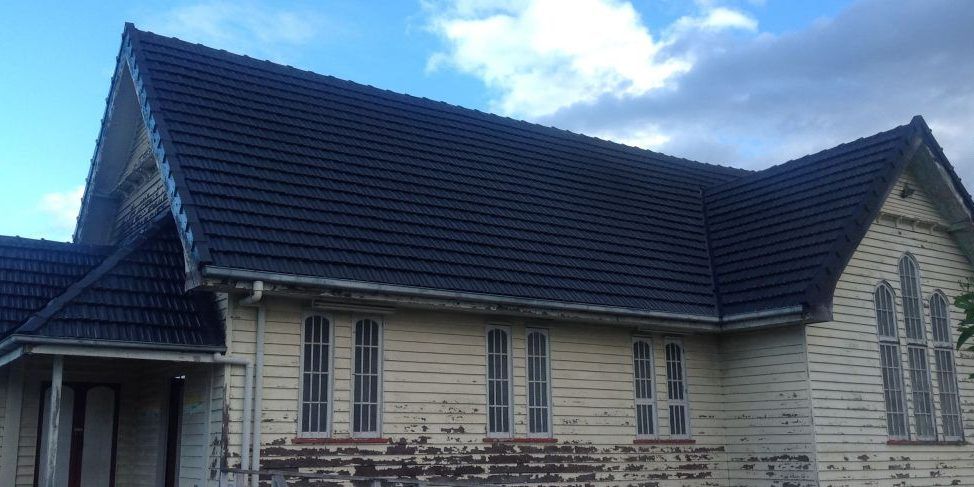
(10, 356)
(763, 319)
(677, 322)
(295, 279)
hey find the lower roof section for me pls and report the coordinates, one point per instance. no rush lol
(130, 294)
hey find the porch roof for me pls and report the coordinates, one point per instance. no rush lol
(131, 293)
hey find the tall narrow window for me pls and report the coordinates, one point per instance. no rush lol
(367, 378)
(922, 395)
(539, 383)
(916, 338)
(316, 361)
(499, 411)
(946, 373)
(912, 306)
(676, 385)
(897, 425)
(645, 392)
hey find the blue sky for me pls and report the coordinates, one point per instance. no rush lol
(746, 83)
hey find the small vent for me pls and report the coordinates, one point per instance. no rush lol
(907, 191)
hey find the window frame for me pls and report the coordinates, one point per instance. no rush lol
(685, 402)
(654, 400)
(380, 363)
(893, 341)
(330, 413)
(510, 380)
(941, 347)
(527, 381)
(925, 376)
(917, 343)
(922, 327)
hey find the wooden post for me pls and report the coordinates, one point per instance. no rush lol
(53, 418)
(9, 450)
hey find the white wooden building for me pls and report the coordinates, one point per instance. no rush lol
(280, 271)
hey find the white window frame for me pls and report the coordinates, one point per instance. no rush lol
(527, 380)
(921, 381)
(654, 387)
(510, 381)
(948, 378)
(685, 402)
(922, 378)
(379, 389)
(892, 341)
(918, 299)
(329, 414)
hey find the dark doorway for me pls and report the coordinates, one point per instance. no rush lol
(173, 425)
(87, 435)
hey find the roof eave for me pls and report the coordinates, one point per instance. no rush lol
(818, 296)
(188, 225)
(18, 345)
(427, 298)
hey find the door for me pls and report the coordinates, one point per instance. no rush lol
(86, 439)
(175, 419)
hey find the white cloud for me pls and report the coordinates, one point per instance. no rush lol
(243, 27)
(646, 136)
(716, 19)
(544, 55)
(61, 208)
(740, 97)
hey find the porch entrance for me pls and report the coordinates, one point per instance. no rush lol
(87, 435)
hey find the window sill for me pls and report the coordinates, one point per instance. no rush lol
(664, 441)
(925, 442)
(337, 441)
(520, 440)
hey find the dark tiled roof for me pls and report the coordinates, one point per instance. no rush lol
(32, 272)
(292, 172)
(285, 171)
(776, 233)
(132, 293)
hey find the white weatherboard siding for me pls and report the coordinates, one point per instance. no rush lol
(194, 430)
(766, 409)
(847, 387)
(434, 419)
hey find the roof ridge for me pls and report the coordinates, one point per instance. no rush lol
(28, 242)
(428, 103)
(708, 240)
(844, 147)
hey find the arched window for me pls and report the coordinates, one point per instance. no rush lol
(316, 379)
(539, 382)
(940, 320)
(946, 371)
(912, 307)
(916, 349)
(643, 384)
(367, 379)
(897, 425)
(676, 386)
(499, 393)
